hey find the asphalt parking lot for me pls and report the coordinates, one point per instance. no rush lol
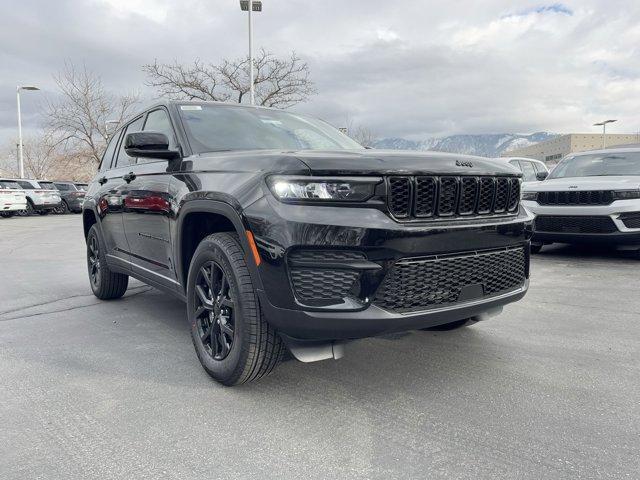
(91, 389)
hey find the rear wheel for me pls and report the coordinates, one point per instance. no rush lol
(450, 326)
(7, 214)
(105, 284)
(232, 339)
(30, 210)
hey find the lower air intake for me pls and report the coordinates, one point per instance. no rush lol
(421, 283)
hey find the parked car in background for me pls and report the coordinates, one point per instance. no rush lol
(12, 198)
(40, 199)
(279, 231)
(82, 186)
(72, 197)
(589, 197)
(532, 170)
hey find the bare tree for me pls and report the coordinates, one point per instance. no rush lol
(79, 118)
(277, 82)
(361, 134)
(39, 154)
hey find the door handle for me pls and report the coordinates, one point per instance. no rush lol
(129, 177)
(102, 180)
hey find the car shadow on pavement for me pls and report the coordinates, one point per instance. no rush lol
(594, 252)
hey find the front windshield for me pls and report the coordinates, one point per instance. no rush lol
(214, 128)
(598, 164)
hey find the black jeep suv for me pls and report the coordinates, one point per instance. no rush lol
(280, 233)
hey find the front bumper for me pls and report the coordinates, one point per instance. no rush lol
(280, 229)
(13, 207)
(616, 211)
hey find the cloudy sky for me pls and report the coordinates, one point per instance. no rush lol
(412, 69)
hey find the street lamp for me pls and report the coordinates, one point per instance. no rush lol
(251, 6)
(20, 159)
(604, 130)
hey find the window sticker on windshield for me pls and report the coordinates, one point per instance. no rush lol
(272, 122)
(190, 107)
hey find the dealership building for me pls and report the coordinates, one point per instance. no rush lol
(551, 151)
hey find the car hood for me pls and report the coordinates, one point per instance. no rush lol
(584, 183)
(398, 162)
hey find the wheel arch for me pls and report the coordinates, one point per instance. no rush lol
(88, 220)
(199, 218)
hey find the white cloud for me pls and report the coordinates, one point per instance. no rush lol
(416, 69)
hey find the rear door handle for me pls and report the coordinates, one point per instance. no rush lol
(102, 180)
(129, 177)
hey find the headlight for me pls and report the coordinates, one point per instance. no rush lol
(626, 194)
(348, 189)
(530, 196)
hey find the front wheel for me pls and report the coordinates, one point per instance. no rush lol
(105, 284)
(232, 339)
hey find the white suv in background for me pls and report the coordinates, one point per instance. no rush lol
(12, 198)
(589, 197)
(532, 170)
(39, 199)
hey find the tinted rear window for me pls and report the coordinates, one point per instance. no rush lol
(26, 185)
(47, 185)
(64, 187)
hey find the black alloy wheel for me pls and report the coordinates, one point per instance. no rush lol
(105, 284)
(215, 311)
(232, 339)
(93, 259)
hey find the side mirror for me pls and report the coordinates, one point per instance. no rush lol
(149, 145)
(542, 175)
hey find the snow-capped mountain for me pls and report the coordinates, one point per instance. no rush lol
(487, 145)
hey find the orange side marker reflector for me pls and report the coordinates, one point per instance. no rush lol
(254, 249)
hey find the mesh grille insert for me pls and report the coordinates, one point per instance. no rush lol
(400, 198)
(418, 284)
(426, 190)
(322, 284)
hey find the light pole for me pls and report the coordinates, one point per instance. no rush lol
(604, 131)
(251, 6)
(20, 159)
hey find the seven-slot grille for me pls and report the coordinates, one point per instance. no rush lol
(430, 282)
(423, 197)
(586, 197)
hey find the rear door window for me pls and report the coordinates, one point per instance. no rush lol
(26, 185)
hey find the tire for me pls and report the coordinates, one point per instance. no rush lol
(536, 247)
(105, 284)
(450, 326)
(64, 207)
(30, 210)
(7, 214)
(233, 341)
